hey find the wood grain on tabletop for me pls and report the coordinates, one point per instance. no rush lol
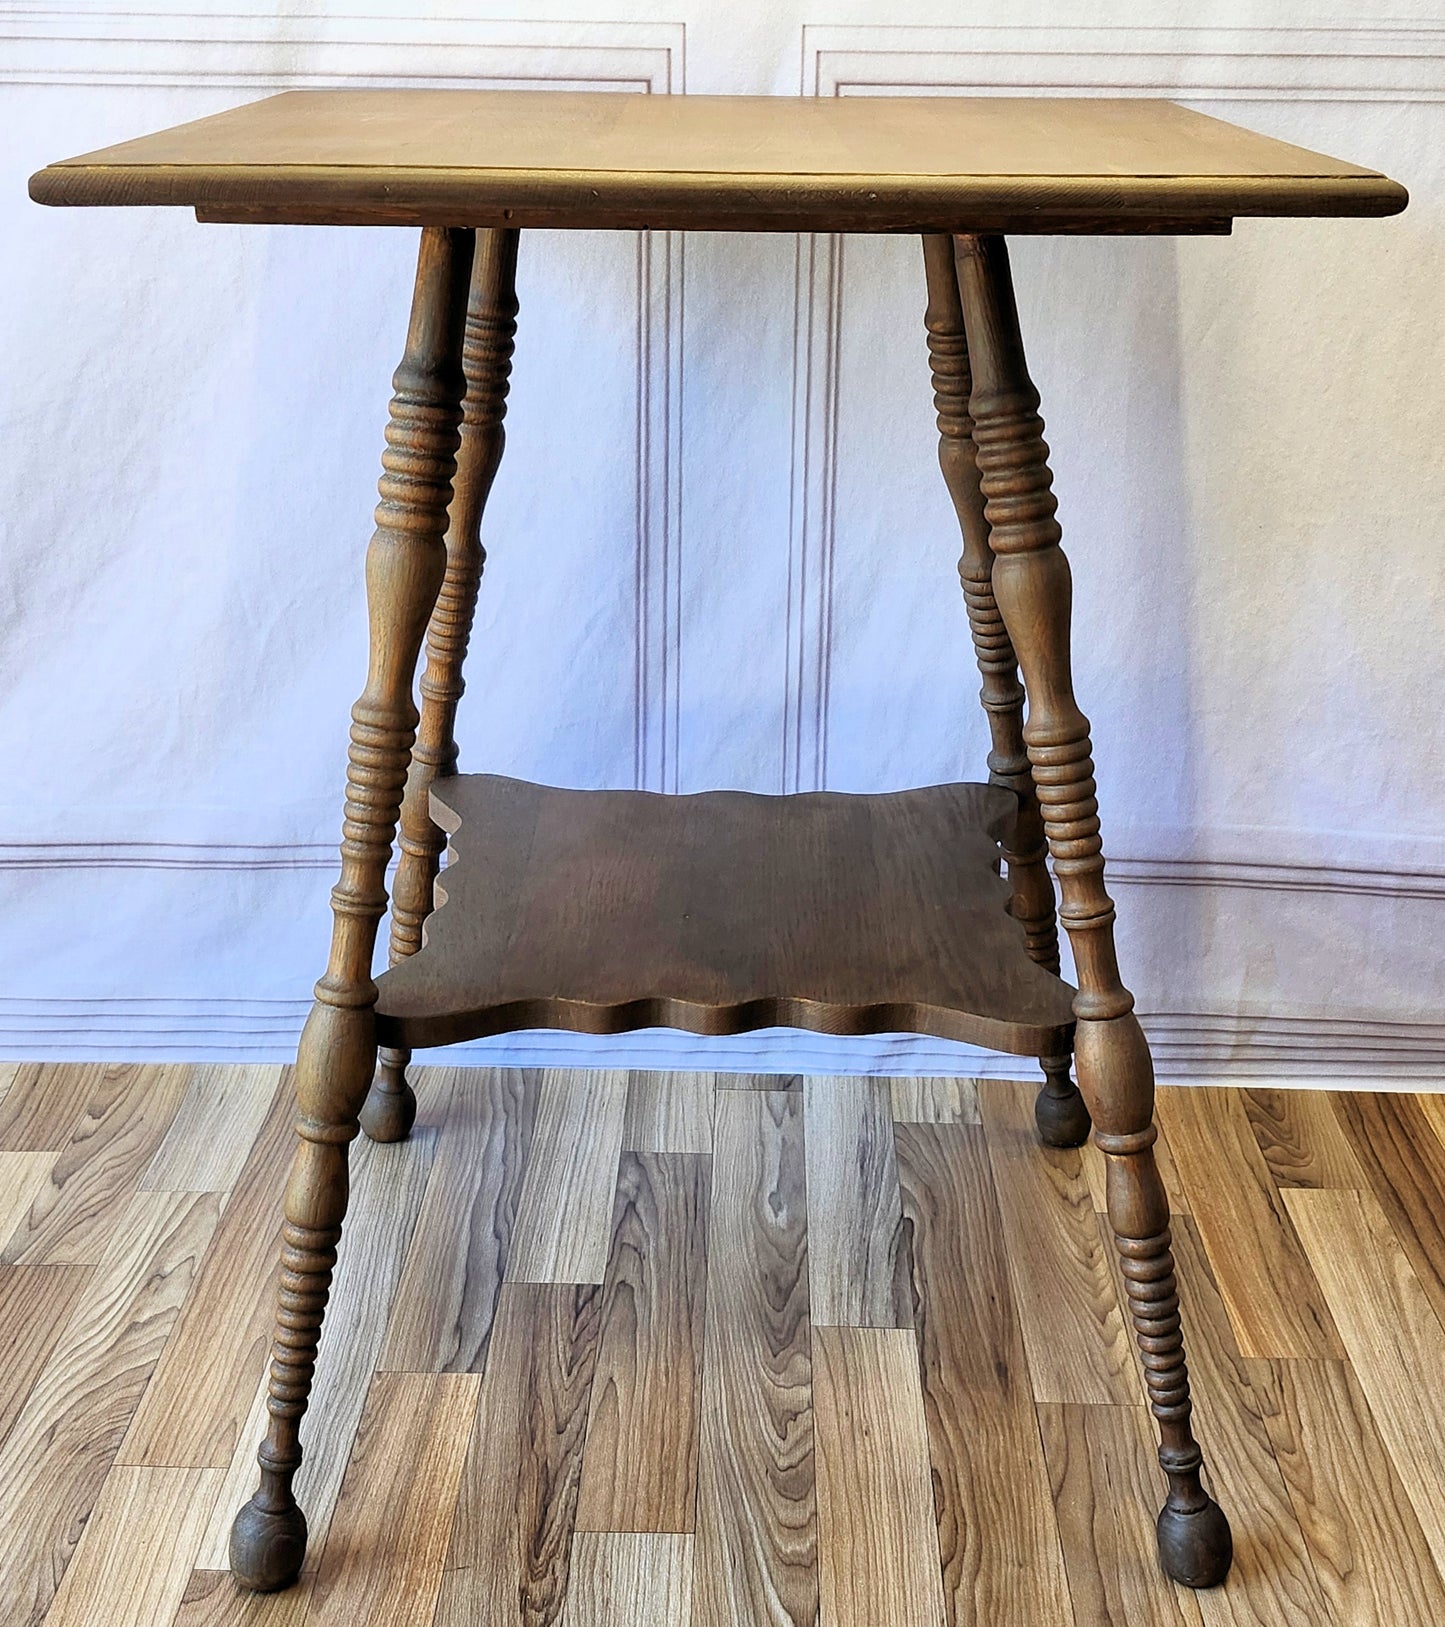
(591, 159)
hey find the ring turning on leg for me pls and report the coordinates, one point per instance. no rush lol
(491, 328)
(1116, 1077)
(1062, 1118)
(334, 1063)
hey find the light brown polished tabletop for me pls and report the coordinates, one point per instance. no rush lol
(743, 163)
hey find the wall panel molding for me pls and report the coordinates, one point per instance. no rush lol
(1366, 65)
(1124, 871)
(85, 48)
(252, 53)
(658, 647)
(812, 493)
(265, 52)
(1404, 64)
(1298, 1049)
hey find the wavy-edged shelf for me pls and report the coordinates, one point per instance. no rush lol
(605, 911)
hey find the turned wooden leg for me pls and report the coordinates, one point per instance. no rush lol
(390, 1107)
(404, 567)
(1032, 583)
(1062, 1118)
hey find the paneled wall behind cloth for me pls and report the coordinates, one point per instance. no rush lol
(720, 552)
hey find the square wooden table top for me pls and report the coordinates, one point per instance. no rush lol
(745, 163)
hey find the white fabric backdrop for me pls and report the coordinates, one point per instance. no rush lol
(720, 550)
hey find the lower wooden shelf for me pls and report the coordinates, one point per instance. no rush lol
(603, 911)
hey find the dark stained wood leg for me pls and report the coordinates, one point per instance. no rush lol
(1060, 1112)
(404, 568)
(390, 1107)
(1032, 582)
(1063, 1119)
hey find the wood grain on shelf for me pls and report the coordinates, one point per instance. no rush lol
(857, 1267)
(55, 1460)
(445, 1303)
(606, 911)
(512, 1533)
(1264, 1276)
(998, 1540)
(878, 1557)
(1391, 1333)
(200, 1395)
(630, 1579)
(134, 1560)
(1369, 1552)
(669, 1112)
(210, 1138)
(756, 1555)
(639, 1473)
(1075, 1335)
(564, 1213)
(389, 1534)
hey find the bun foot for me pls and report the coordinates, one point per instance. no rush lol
(390, 1107)
(268, 1546)
(1061, 1116)
(1195, 1545)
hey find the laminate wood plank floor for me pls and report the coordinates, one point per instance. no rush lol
(1076, 1337)
(715, 1351)
(1272, 1298)
(630, 1579)
(998, 1542)
(640, 1472)
(72, 1218)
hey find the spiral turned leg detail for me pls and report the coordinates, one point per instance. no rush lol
(1196, 1546)
(1032, 584)
(1062, 1118)
(337, 1054)
(268, 1537)
(487, 343)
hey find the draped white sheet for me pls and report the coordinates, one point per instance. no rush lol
(720, 550)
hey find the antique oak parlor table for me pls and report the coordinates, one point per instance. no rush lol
(611, 910)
